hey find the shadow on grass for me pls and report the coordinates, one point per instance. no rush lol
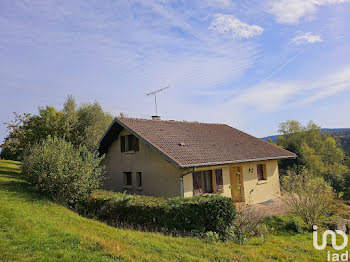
(10, 174)
(6, 168)
(23, 190)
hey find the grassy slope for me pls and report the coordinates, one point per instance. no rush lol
(34, 228)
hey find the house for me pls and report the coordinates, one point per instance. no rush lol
(172, 158)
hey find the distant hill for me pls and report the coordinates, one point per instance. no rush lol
(342, 133)
(273, 138)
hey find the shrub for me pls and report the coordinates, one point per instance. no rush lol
(293, 225)
(309, 196)
(195, 215)
(246, 224)
(62, 171)
(211, 236)
(275, 224)
(336, 181)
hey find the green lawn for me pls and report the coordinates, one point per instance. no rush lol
(33, 228)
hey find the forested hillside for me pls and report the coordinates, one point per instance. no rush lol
(343, 134)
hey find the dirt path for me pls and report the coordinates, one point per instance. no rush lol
(272, 207)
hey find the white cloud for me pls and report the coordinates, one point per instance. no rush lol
(328, 86)
(267, 96)
(217, 3)
(229, 24)
(306, 38)
(291, 11)
(273, 96)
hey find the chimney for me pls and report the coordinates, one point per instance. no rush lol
(155, 117)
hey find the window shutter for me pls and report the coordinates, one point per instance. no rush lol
(136, 144)
(122, 143)
(130, 142)
(197, 183)
(139, 179)
(219, 180)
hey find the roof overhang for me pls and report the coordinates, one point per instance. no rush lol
(236, 161)
(108, 137)
(112, 133)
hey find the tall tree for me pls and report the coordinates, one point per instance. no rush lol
(14, 143)
(70, 117)
(81, 125)
(91, 124)
(317, 151)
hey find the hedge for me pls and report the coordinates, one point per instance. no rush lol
(193, 215)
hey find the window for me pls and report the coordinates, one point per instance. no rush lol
(127, 179)
(139, 179)
(122, 144)
(129, 143)
(197, 183)
(208, 182)
(219, 180)
(135, 144)
(261, 170)
(202, 182)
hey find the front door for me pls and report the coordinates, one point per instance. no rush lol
(236, 178)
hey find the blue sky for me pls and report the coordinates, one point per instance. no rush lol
(250, 64)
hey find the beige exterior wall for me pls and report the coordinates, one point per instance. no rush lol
(159, 176)
(254, 191)
(260, 191)
(188, 180)
(162, 178)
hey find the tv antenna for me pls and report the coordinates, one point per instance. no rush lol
(155, 96)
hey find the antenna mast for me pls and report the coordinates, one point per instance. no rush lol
(155, 96)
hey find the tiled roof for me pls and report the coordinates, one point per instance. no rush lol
(189, 144)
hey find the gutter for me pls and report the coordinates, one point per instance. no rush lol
(236, 161)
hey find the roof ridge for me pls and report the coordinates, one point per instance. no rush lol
(172, 121)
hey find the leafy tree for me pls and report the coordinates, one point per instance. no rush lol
(91, 124)
(81, 125)
(318, 152)
(346, 186)
(347, 161)
(46, 123)
(26, 130)
(309, 196)
(70, 117)
(14, 143)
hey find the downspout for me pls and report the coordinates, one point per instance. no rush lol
(182, 180)
(181, 186)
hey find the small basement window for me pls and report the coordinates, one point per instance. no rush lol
(127, 179)
(261, 171)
